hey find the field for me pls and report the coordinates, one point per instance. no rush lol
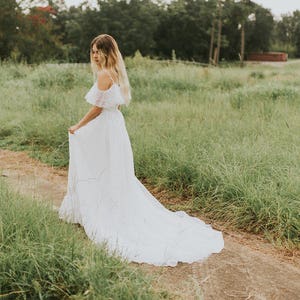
(226, 138)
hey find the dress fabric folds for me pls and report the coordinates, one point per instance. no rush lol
(114, 207)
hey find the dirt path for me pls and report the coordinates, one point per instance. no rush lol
(248, 268)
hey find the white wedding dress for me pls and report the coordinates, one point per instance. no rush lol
(114, 207)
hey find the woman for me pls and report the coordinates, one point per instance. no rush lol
(104, 195)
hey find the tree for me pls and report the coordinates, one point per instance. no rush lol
(248, 27)
(284, 32)
(287, 33)
(245, 8)
(184, 27)
(259, 30)
(9, 25)
(38, 43)
(212, 31)
(296, 35)
(132, 24)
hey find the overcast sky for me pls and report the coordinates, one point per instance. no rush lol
(277, 7)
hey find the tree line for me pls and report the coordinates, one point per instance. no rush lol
(196, 30)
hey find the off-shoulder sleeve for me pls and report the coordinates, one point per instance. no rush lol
(109, 98)
(97, 97)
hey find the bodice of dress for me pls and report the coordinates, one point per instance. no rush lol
(107, 99)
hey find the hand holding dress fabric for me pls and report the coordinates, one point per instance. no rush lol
(73, 128)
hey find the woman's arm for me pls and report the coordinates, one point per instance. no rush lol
(104, 83)
(91, 114)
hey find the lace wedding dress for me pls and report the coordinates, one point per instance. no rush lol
(114, 207)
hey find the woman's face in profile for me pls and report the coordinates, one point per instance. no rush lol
(96, 55)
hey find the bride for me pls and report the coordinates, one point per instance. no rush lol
(105, 197)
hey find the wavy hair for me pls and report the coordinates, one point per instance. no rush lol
(113, 62)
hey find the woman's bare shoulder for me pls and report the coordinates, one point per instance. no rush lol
(104, 81)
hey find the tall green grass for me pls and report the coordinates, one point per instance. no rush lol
(228, 138)
(43, 258)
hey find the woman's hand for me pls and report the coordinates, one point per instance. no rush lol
(90, 115)
(73, 128)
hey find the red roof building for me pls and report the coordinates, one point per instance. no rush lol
(268, 56)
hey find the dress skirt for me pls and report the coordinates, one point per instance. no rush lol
(116, 209)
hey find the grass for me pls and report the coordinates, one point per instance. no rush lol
(227, 138)
(43, 258)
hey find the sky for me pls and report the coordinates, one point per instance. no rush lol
(277, 7)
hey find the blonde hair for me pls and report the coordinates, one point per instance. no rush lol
(113, 62)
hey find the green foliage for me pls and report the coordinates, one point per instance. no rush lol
(154, 28)
(29, 36)
(257, 74)
(183, 28)
(263, 95)
(287, 34)
(61, 78)
(43, 258)
(227, 84)
(132, 23)
(10, 13)
(181, 177)
(258, 31)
